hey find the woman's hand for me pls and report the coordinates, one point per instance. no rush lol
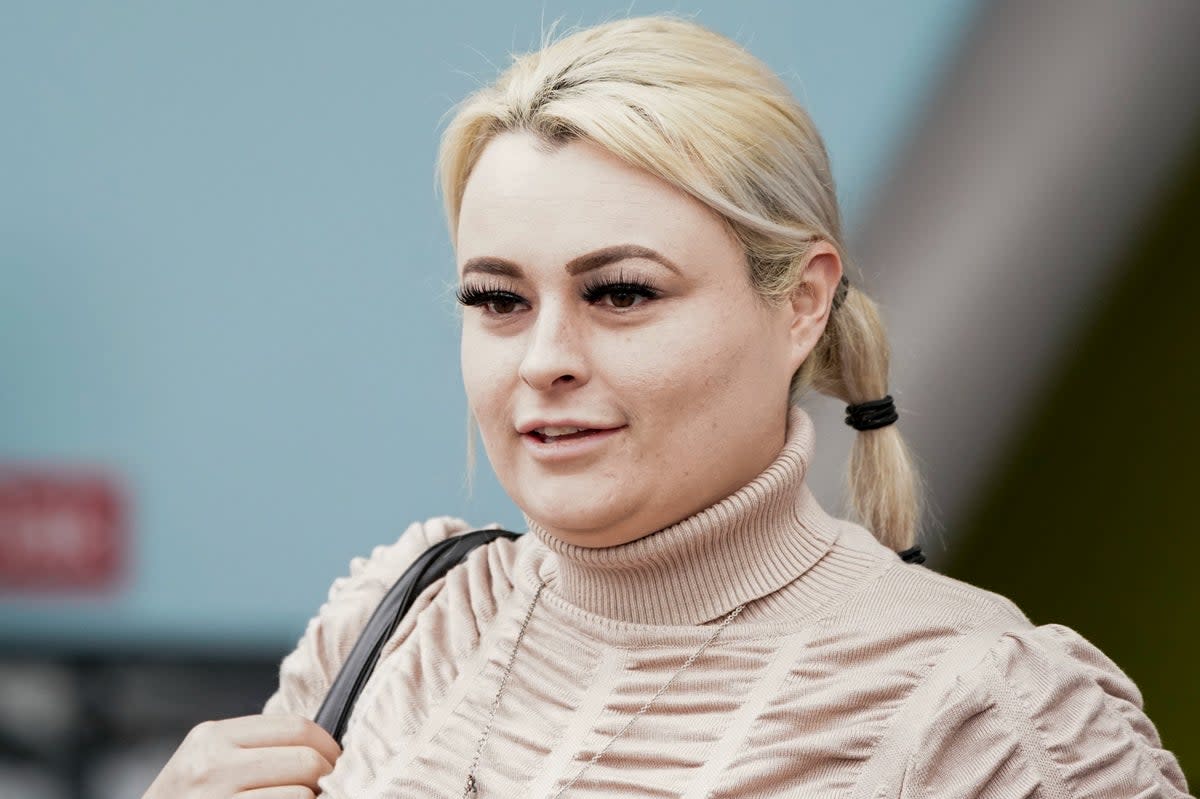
(251, 757)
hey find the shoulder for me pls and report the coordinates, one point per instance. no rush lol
(370, 577)
(307, 672)
(898, 621)
(997, 705)
(909, 602)
(1039, 709)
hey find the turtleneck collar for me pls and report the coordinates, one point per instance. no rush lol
(752, 543)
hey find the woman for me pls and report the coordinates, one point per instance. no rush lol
(650, 259)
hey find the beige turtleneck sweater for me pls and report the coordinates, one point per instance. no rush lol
(849, 673)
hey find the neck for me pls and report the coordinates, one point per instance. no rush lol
(748, 545)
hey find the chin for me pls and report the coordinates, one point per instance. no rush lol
(578, 515)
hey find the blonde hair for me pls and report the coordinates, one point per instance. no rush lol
(699, 112)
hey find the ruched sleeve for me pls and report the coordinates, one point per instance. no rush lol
(307, 672)
(1043, 714)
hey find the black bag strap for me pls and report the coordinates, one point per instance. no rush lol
(430, 567)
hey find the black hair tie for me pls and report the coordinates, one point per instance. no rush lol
(872, 415)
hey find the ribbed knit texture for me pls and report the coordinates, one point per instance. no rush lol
(848, 674)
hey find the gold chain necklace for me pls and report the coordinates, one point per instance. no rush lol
(471, 791)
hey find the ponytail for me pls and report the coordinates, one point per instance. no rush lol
(850, 363)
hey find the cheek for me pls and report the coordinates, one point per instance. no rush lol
(693, 360)
(486, 377)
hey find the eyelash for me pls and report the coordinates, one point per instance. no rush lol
(594, 289)
(592, 292)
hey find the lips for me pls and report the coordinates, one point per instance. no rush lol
(551, 434)
(564, 430)
(561, 426)
(570, 442)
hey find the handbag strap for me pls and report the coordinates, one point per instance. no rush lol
(431, 566)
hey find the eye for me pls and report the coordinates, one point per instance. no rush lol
(621, 294)
(494, 300)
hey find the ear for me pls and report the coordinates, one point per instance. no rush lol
(812, 298)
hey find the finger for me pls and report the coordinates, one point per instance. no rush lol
(277, 792)
(281, 765)
(282, 730)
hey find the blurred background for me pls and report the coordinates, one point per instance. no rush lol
(228, 346)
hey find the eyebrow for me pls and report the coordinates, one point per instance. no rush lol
(492, 265)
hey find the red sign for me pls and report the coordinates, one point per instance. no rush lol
(60, 529)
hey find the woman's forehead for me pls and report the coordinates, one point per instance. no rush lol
(524, 201)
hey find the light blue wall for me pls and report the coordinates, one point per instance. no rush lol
(225, 278)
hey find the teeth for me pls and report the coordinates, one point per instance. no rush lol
(559, 431)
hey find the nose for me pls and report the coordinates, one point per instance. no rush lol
(554, 355)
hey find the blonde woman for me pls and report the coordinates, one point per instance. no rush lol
(651, 266)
